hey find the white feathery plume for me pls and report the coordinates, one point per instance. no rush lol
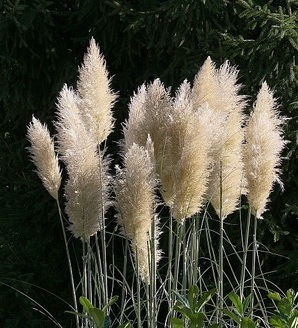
(87, 185)
(264, 144)
(135, 201)
(43, 156)
(97, 98)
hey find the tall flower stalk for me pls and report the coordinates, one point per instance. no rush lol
(134, 188)
(43, 155)
(262, 158)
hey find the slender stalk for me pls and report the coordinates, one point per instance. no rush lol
(152, 266)
(170, 259)
(253, 267)
(103, 235)
(101, 273)
(138, 312)
(245, 250)
(179, 241)
(220, 257)
(69, 264)
(124, 281)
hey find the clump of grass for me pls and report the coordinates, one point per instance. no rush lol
(192, 149)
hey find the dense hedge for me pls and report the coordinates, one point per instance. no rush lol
(41, 45)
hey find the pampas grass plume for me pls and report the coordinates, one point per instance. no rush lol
(87, 185)
(263, 147)
(97, 98)
(134, 189)
(43, 156)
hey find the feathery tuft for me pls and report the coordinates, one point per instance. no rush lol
(134, 189)
(87, 185)
(263, 147)
(43, 156)
(97, 98)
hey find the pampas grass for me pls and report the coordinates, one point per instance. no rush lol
(86, 190)
(192, 148)
(134, 189)
(43, 156)
(262, 150)
(97, 98)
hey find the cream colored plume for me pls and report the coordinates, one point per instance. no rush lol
(87, 185)
(97, 98)
(43, 156)
(148, 115)
(219, 89)
(134, 189)
(263, 147)
(185, 173)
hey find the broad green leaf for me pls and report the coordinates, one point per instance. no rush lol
(177, 323)
(182, 299)
(247, 323)
(186, 311)
(277, 322)
(98, 317)
(232, 315)
(214, 325)
(86, 303)
(193, 295)
(285, 307)
(274, 296)
(290, 295)
(236, 302)
(206, 296)
(197, 320)
(246, 303)
(111, 302)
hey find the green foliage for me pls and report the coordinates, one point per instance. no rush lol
(286, 314)
(192, 308)
(98, 316)
(238, 311)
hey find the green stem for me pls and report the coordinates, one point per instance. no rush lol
(124, 281)
(69, 264)
(220, 257)
(245, 250)
(138, 312)
(253, 268)
(152, 266)
(170, 259)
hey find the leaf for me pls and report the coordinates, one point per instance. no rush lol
(186, 311)
(181, 298)
(197, 320)
(277, 322)
(206, 296)
(98, 317)
(214, 325)
(177, 323)
(246, 303)
(85, 303)
(111, 302)
(247, 323)
(232, 315)
(274, 296)
(193, 295)
(285, 307)
(236, 302)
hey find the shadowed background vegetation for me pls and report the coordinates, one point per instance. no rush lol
(41, 45)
